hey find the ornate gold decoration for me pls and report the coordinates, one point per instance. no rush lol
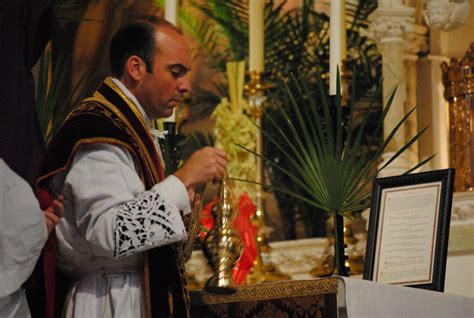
(263, 270)
(256, 86)
(458, 80)
(222, 245)
(271, 290)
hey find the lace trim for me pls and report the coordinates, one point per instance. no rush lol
(146, 222)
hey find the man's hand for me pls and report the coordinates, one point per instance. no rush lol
(54, 213)
(206, 164)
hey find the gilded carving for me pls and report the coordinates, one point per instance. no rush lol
(458, 80)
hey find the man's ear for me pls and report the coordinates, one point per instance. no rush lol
(135, 67)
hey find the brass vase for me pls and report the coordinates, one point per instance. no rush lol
(222, 245)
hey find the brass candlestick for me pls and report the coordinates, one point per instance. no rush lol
(263, 269)
(355, 261)
(222, 245)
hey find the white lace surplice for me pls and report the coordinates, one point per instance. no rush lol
(109, 220)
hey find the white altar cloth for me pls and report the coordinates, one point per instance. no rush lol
(365, 299)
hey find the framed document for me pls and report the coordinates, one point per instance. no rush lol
(407, 242)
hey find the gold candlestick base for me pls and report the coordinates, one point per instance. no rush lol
(263, 269)
(356, 258)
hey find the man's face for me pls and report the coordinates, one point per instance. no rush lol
(159, 92)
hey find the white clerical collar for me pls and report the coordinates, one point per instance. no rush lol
(132, 97)
(134, 100)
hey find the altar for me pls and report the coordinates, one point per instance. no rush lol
(298, 257)
(306, 298)
(330, 297)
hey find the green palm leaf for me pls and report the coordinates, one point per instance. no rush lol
(295, 40)
(52, 107)
(322, 157)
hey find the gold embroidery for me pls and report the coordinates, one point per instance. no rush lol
(99, 105)
(267, 291)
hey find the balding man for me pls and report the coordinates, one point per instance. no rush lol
(106, 162)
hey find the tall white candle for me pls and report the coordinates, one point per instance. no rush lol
(171, 15)
(256, 35)
(337, 41)
(171, 11)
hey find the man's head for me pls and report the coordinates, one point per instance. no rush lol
(153, 60)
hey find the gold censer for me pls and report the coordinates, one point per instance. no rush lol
(222, 245)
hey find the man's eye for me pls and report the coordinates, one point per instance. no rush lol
(176, 73)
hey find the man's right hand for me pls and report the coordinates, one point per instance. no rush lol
(206, 164)
(54, 213)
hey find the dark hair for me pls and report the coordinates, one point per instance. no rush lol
(136, 38)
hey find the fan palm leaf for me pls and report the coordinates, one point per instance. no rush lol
(323, 155)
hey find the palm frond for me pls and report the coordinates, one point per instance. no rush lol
(52, 107)
(333, 177)
(208, 35)
(232, 19)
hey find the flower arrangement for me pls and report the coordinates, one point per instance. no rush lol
(233, 127)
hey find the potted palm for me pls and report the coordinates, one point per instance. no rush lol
(323, 151)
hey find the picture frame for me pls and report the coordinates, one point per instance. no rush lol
(408, 231)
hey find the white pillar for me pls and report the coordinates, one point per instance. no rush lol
(391, 23)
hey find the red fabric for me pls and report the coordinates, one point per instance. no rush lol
(207, 220)
(248, 235)
(49, 257)
(44, 198)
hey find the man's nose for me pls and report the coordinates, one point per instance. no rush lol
(185, 85)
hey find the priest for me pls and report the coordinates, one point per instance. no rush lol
(106, 161)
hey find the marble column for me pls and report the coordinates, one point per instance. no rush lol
(433, 111)
(392, 22)
(441, 17)
(416, 42)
